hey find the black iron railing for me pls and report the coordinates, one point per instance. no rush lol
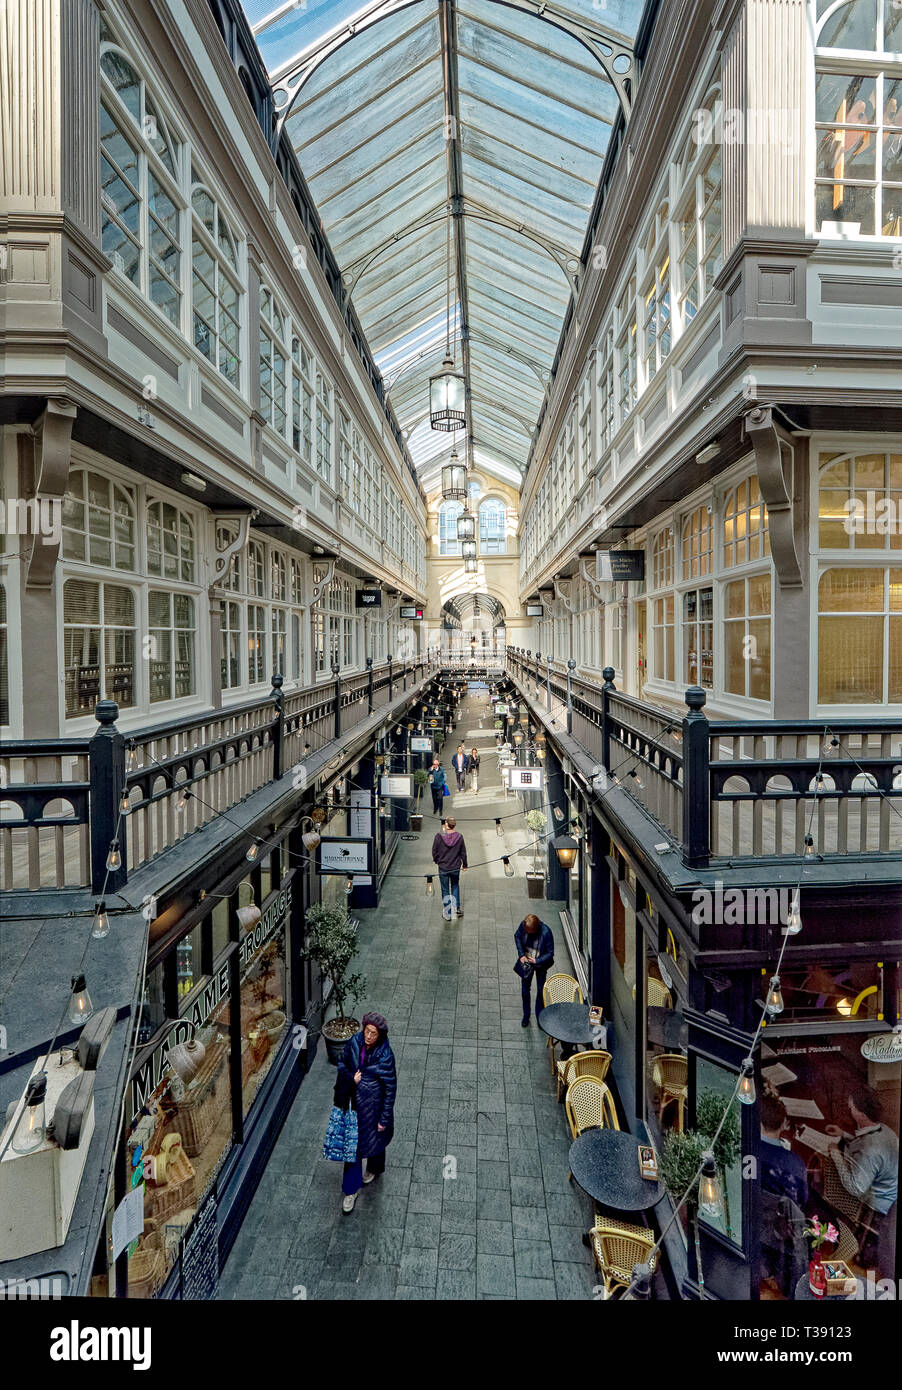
(732, 789)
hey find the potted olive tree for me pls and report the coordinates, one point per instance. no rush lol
(420, 778)
(331, 943)
(535, 877)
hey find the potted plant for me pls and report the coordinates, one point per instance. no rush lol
(820, 1235)
(331, 943)
(535, 878)
(682, 1158)
(420, 778)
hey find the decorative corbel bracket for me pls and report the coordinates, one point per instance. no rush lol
(222, 558)
(320, 588)
(772, 453)
(52, 457)
(563, 595)
(595, 585)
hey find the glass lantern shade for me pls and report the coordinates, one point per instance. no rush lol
(468, 550)
(470, 566)
(446, 399)
(454, 481)
(466, 526)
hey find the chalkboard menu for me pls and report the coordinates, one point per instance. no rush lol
(200, 1253)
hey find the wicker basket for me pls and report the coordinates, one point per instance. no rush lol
(147, 1268)
(204, 1101)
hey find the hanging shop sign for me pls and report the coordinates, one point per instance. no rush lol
(500, 707)
(535, 610)
(369, 598)
(396, 785)
(615, 566)
(420, 744)
(435, 724)
(273, 917)
(525, 779)
(361, 821)
(412, 612)
(344, 856)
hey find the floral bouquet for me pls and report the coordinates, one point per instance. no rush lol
(821, 1234)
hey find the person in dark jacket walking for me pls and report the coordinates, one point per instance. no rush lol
(461, 761)
(449, 851)
(535, 951)
(474, 768)
(436, 779)
(367, 1080)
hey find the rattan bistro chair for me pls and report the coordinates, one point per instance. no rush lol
(590, 1105)
(659, 996)
(593, 1063)
(560, 989)
(670, 1074)
(616, 1247)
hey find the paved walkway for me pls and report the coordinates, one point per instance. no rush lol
(475, 1201)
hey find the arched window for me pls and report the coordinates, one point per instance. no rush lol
(745, 536)
(858, 118)
(273, 362)
(492, 527)
(170, 542)
(662, 559)
(139, 172)
(256, 570)
(698, 542)
(215, 284)
(860, 501)
(448, 512)
(98, 521)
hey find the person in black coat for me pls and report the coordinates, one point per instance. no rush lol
(367, 1081)
(436, 780)
(535, 954)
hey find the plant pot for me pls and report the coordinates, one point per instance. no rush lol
(416, 820)
(535, 883)
(336, 1034)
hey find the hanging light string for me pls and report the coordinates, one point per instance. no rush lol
(748, 1062)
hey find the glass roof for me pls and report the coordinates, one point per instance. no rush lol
(367, 91)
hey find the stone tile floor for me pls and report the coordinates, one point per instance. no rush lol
(475, 1201)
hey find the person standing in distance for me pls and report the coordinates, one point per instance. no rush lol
(436, 779)
(449, 852)
(461, 763)
(535, 953)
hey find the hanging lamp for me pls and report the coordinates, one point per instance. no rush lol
(466, 526)
(447, 389)
(454, 479)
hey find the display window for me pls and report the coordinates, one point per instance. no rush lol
(829, 1148)
(264, 992)
(666, 1054)
(623, 968)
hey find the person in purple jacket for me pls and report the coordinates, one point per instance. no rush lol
(449, 852)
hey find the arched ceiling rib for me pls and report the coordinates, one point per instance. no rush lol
(528, 94)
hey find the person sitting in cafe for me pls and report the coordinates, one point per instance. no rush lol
(867, 1163)
(782, 1172)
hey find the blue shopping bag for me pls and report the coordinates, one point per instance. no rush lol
(340, 1144)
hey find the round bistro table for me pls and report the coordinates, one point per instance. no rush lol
(605, 1163)
(567, 1023)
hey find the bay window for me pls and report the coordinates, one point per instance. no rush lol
(171, 625)
(859, 636)
(698, 638)
(273, 362)
(215, 283)
(747, 636)
(99, 641)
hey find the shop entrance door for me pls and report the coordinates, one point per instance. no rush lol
(640, 648)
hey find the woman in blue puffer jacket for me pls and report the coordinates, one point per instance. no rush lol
(367, 1078)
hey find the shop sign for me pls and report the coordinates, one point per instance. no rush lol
(400, 785)
(500, 707)
(420, 744)
(615, 566)
(200, 1253)
(411, 612)
(535, 610)
(883, 1047)
(369, 598)
(525, 779)
(344, 856)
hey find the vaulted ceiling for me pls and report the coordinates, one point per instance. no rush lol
(453, 149)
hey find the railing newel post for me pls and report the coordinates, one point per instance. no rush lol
(696, 780)
(278, 728)
(106, 770)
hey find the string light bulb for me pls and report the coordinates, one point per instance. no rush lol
(80, 1006)
(774, 1003)
(710, 1203)
(124, 805)
(253, 852)
(809, 846)
(508, 867)
(182, 801)
(32, 1126)
(430, 886)
(830, 744)
(131, 758)
(794, 918)
(114, 858)
(101, 926)
(746, 1089)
